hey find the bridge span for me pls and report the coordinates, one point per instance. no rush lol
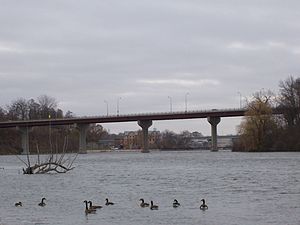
(144, 120)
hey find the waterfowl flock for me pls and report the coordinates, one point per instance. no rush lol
(90, 208)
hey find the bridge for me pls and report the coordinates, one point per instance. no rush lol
(144, 120)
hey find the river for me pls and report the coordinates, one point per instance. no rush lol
(239, 188)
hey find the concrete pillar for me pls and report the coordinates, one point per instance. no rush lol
(145, 124)
(24, 140)
(83, 128)
(214, 122)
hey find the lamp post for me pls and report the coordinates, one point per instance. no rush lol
(118, 103)
(170, 98)
(240, 99)
(185, 100)
(106, 107)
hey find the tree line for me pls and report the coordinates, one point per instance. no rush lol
(261, 130)
(40, 138)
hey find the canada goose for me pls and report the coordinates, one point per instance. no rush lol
(108, 202)
(18, 204)
(143, 204)
(153, 207)
(87, 210)
(94, 206)
(176, 203)
(42, 203)
(203, 206)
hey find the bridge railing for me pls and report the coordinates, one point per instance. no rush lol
(163, 113)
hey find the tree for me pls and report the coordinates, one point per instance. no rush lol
(34, 110)
(259, 128)
(2, 114)
(96, 132)
(168, 140)
(290, 100)
(18, 110)
(184, 139)
(47, 106)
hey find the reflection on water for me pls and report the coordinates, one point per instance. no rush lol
(239, 188)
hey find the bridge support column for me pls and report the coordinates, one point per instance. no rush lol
(83, 128)
(145, 124)
(24, 139)
(214, 122)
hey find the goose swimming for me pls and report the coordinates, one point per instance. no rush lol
(153, 207)
(87, 210)
(94, 206)
(203, 206)
(143, 203)
(176, 203)
(42, 203)
(18, 204)
(108, 202)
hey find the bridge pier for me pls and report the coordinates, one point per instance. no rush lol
(24, 139)
(214, 122)
(83, 128)
(145, 124)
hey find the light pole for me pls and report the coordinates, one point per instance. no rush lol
(185, 100)
(240, 99)
(170, 98)
(118, 103)
(106, 107)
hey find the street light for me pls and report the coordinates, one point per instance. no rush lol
(106, 107)
(170, 98)
(185, 100)
(240, 99)
(118, 103)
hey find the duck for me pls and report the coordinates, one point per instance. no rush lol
(176, 203)
(18, 204)
(42, 203)
(153, 207)
(203, 206)
(108, 202)
(87, 209)
(143, 204)
(94, 206)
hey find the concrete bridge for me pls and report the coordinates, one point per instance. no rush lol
(144, 120)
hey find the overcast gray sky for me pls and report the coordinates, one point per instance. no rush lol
(142, 51)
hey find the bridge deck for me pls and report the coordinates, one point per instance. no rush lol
(129, 118)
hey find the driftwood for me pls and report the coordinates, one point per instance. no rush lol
(46, 168)
(53, 162)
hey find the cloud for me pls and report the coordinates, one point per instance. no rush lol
(180, 82)
(85, 52)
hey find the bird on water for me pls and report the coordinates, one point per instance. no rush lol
(143, 203)
(176, 203)
(87, 210)
(108, 202)
(203, 206)
(18, 204)
(153, 207)
(42, 203)
(94, 206)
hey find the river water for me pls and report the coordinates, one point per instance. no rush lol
(239, 188)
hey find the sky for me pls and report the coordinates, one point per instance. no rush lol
(147, 55)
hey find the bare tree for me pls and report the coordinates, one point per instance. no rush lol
(290, 100)
(48, 106)
(18, 110)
